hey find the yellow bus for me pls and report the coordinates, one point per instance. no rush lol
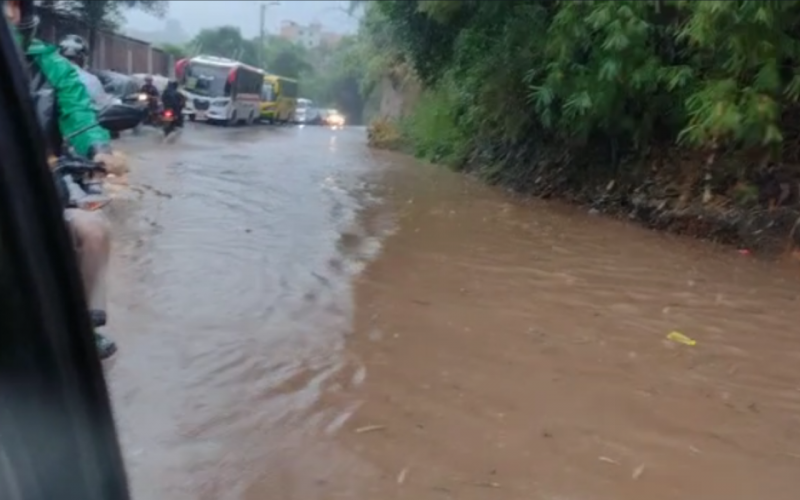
(278, 99)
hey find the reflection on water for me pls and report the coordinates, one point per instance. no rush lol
(491, 348)
(235, 307)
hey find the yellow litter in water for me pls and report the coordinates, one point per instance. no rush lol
(681, 338)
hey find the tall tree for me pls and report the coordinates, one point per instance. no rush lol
(226, 41)
(285, 58)
(176, 51)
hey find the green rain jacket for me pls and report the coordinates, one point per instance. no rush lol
(62, 103)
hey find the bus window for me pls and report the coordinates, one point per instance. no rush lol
(249, 81)
(267, 92)
(208, 80)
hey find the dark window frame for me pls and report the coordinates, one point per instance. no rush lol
(57, 432)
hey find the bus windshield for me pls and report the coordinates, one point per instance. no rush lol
(288, 88)
(207, 80)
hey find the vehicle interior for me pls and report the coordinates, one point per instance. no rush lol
(57, 434)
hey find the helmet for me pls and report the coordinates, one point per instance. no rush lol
(74, 48)
(148, 79)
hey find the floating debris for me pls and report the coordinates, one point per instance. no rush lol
(370, 428)
(401, 478)
(681, 338)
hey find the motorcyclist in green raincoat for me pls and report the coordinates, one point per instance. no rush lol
(55, 83)
(63, 107)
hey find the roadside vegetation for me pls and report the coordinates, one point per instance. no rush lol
(681, 114)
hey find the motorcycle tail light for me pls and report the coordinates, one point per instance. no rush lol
(93, 202)
(168, 114)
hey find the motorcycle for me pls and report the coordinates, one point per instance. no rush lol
(169, 121)
(137, 100)
(79, 181)
(141, 98)
(151, 108)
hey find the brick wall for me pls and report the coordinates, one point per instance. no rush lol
(112, 50)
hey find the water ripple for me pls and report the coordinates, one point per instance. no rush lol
(242, 315)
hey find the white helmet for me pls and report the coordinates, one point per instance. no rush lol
(74, 48)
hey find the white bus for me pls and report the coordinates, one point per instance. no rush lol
(220, 90)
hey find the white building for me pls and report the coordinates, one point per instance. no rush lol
(310, 36)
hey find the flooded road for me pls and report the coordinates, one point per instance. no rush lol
(302, 319)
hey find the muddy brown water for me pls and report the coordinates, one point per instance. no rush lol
(303, 319)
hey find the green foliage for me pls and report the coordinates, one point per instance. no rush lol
(286, 59)
(376, 50)
(176, 51)
(420, 35)
(620, 73)
(433, 130)
(336, 81)
(277, 55)
(226, 41)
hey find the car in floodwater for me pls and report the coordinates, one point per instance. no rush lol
(332, 118)
(307, 113)
(117, 84)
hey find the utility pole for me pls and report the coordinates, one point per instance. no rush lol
(263, 45)
(263, 32)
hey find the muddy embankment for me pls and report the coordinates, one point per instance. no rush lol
(724, 199)
(731, 198)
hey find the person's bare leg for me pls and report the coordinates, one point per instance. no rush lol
(93, 247)
(92, 237)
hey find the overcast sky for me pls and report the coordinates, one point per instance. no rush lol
(195, 15)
